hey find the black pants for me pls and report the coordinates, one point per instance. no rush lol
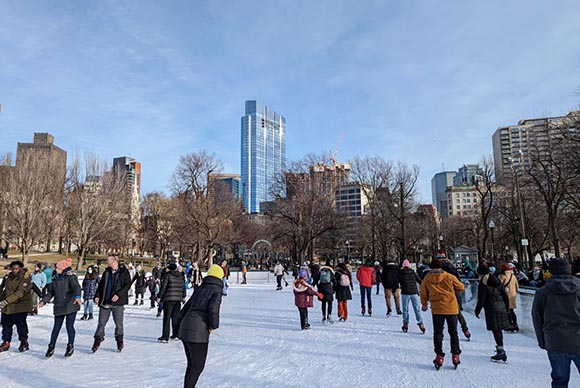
(462, 322)
(139, 292)
(170, 313)
(326, 305)
(70, 328)
(9, 320)
(196, 355)
(513, 318)
(438, 323)
(303, 316)
(279, 280)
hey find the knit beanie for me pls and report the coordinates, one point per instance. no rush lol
(436, 263)
(559, 266)
(64, 264)
(172, 266)
(406, 264)
(216, 271)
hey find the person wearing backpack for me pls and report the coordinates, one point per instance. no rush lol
(325, 283)
(510, 283)
(343, 280)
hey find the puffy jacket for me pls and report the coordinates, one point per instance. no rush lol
(303, 294)
(510, 283)
(90, 287)
(49, 272)
(140, 281)
(390, 276)
(172, 287)
(122, 283)
(492, 297)
(201, 312)
(556, 315)
(17, 292)
(408, 280)
(366, 276)
(439, 288)
(64, 289)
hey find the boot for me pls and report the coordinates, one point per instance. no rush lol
(405, 327)
(467, 334)
(50, 351)
(438, 362)
(389, 311)
(363, 310)
(421, 327)
(5, 346)
(456, 361)
(90, 317)
(399, 312)
(96, 344)
(120, 343)
(499, 355)
(24, 346)
(84, 317)
(70, 349)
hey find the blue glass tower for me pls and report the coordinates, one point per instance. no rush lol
(263, 153)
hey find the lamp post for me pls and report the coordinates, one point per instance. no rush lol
(491, 228)
(524, 241)
(347, 249)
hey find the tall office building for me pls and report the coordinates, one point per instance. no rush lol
(42, 151)
(263, 153)
(439, 183)
(518, 142)
(131, 169)
(220, 186)
(467, 175)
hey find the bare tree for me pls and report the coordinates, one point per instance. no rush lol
(158, 212)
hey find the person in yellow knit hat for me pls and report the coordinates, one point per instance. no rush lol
(197, 320)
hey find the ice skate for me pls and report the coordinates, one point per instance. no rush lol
(405, 327)
(422, 328)
(438, 362)
(499, 356)
(50, 351)
(70, 349)
(163, 340)
(467, 334)
(120, 343)
(456, 360)
(5, 346)
(96, 344)
(363, 310)
(370, 311)
(84, 317)
(24, 346)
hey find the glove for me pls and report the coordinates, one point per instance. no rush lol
(3, 303)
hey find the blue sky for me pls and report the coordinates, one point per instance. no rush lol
(422, 81)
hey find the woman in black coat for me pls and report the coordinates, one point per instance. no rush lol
(493, 298)
(343, 281)
(66, 290)
(197, 319)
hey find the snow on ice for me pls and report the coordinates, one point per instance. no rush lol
(260, 344)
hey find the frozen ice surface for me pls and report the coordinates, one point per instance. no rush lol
(259, 344)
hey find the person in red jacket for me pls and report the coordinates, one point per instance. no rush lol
(366, 278)
(303, 298)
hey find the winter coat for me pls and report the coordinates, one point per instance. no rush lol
(201, 312)
(65, 289)
(39, 278)
(556, 315)
(326, 289)
(511, 285)
(49, 272)
(408, 280)
(492, 297)
(122, 283)
(90, 287)
(195, 276)
(156, 272)
(152, 285)
(278, 270)
(172, 287)
(390, 276)
(140, 281)
(303, 294)
(366, 276)
(439, 288)
(17, 292)
(343, 292)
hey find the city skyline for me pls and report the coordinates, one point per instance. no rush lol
(422, 82)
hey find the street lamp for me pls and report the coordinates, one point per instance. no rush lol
(347, 249)
(491, 228)
(524, 241)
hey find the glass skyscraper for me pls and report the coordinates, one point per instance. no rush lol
(263, 153)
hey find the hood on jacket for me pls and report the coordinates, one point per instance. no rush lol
(436, 275)
(563, 285)
(211, 280)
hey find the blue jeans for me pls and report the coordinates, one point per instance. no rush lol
(560, 363)
(414, 299)
(366, 291)
(89, 306)
(225, 286)
(70, 327)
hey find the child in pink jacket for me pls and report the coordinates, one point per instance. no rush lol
(303, 298)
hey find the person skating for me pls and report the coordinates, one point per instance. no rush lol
(162, 273)
(89, 287)
(279, 272)
(366, 279)
(140, 286)
(152, 285)
(408, 280)
(378, 272)
(390, 280)
(15, 304)
(49, 272)
(112, 296)
(197, 320)
(450, 268)
(325, 283)
(491, 297)
(510, 283)
(226, 269)
(244, 269)
(439, 288)
(343, 280)
(172, 293)
(556, 317)
(66, 291)
(303, 298)
(39, 280)
(195, 275)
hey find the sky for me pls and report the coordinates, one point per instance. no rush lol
(422, 81)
